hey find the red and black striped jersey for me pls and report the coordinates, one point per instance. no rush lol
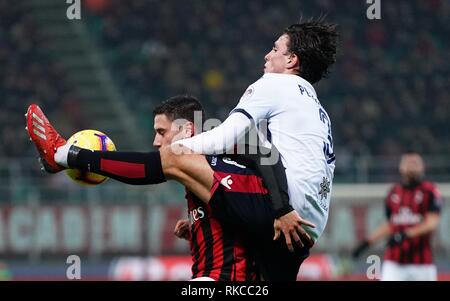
(405, 208)
(216, 252)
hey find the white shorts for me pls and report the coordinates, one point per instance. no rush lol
(393, 271)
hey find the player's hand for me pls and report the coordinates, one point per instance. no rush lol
(396, 238)
(290, 225)
(182, 229)
(360, 249)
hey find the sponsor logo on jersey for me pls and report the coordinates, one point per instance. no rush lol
(406, 217)
(196, 214)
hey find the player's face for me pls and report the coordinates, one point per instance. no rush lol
(278, 58)
(411, 167)
(167, 131)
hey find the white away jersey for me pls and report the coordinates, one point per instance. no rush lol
(300, 129)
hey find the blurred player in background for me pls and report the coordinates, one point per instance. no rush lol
(412, 210)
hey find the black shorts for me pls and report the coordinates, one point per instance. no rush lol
(240, 201)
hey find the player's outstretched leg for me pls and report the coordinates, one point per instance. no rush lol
(45, 137)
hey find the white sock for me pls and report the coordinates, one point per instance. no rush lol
(61, 154)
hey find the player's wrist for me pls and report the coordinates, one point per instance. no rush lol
(283, 211)
(399, 236)
(408, 233)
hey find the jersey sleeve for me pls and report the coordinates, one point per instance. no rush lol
(387, 210)
(387, 201)
(435, 200)
(257, 103)
(219, 140)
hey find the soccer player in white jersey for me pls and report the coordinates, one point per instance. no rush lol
(299, 128)
(298, 124)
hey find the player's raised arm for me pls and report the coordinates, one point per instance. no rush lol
(221, 139)
(381, 232)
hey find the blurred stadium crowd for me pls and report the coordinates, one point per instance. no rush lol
(27, 75)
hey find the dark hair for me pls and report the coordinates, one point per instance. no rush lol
(180, 107)
(315, 44)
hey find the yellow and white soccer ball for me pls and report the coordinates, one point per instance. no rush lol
(93, 140)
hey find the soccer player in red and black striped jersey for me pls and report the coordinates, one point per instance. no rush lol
(217, 252)
(219, 242)
(412, 210)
